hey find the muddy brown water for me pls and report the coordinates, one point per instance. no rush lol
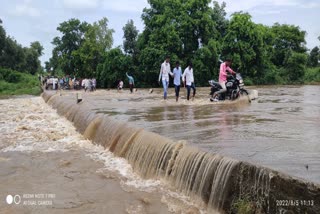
(280, 130)
(46, 166)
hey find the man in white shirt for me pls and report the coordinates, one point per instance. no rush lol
(177, 74)
(188, 80)
(165, 70)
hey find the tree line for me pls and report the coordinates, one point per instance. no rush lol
(186, 30)
(14, 56)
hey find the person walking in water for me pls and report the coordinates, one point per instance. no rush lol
(177, 74)
(120, 85)
(224, 67)
(188, 80)
(131, 82)
(165, 70)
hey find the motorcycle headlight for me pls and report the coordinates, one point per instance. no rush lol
(240, 81)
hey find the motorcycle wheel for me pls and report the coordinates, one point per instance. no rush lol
(233, 95)
(244, 92)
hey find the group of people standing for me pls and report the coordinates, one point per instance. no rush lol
(186, 77)
(89, 84)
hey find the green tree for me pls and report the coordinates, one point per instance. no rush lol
(37, 47)
(314, 57)
(73, 33)
(219, 17)
(2, 37)
(33, 53)
(206, 63)
(97, 40)
(130, 38)
(244, 43)
(13, 55)
(287, 38)
(113, 68)
(295, 67)
(177, 28)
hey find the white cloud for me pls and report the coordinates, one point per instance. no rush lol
(283, 2)
(267, 12)
(25, 9)
(81, 4)
(311, 5)
(245, 5)
(125, 5)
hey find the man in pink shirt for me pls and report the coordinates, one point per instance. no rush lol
(224, 67)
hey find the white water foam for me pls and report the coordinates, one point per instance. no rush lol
(30, 125)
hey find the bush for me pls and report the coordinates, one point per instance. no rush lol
(13, 77)
(274, 76)
(4, 73)
(295, 67)
(16, 83)
(248, 81)
(9, 75)
(312, 75)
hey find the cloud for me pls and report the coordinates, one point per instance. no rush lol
(245, 5)
(283, 2)
(81, 4)
(25, 9)
(311, 5)
(267, 12)
(125, 5)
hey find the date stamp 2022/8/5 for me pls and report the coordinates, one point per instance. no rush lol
(294, 203)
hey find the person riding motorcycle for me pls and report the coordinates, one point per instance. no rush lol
(224, 67)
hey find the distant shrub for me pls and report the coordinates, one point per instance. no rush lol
(248, 81)
(9, 75)
(312, 75)
(16, 83)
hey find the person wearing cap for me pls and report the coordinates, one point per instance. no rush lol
(188, 80)
(165, 70)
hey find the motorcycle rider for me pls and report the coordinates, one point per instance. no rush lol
(224, 67)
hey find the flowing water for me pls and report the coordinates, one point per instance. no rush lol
(48, 167)
(158, 140)
(280, 129)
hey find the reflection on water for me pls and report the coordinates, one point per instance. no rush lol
(279, 130)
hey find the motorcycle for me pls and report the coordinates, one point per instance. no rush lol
(234, 85)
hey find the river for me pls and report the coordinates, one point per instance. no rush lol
(280, 129)
(42, 153)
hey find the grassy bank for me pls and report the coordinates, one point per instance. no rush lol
(17, 83)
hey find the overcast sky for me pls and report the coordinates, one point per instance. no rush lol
(37, 20)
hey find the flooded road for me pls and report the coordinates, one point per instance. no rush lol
(280, 129)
